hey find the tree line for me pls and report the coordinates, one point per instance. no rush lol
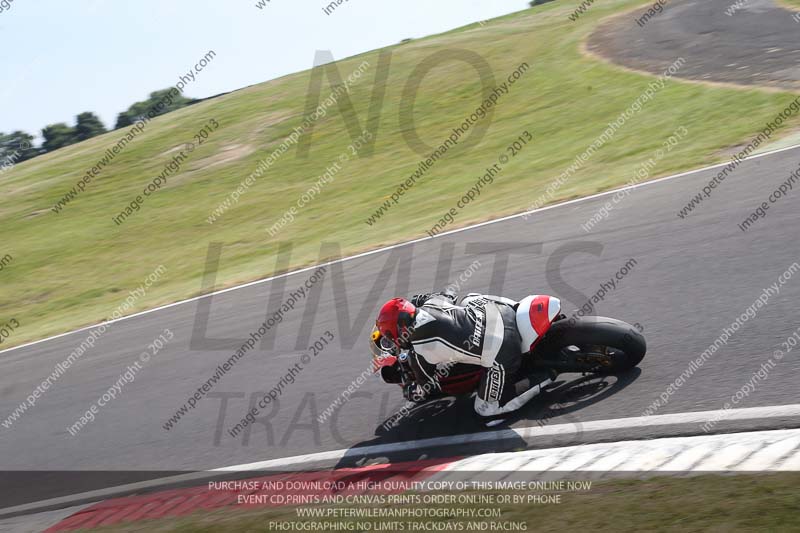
(18, 146)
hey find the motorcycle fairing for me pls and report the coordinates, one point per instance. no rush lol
(535, 315)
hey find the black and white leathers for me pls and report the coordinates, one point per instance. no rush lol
(482, 331)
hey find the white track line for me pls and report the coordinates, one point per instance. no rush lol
(392, 247)
(578, 428)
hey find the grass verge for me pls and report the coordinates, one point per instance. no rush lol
(75, 267)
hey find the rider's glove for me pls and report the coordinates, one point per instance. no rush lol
(418, 300)
(391, 374)
(414, 393)
(450, 294)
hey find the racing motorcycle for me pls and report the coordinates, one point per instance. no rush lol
(550, 340)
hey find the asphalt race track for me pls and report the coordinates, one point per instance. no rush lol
(691, 278)
(756, 45)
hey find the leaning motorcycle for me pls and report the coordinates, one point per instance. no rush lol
(549, 340)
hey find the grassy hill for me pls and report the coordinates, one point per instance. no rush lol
(75, 267)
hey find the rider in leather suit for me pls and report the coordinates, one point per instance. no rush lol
(441, 337)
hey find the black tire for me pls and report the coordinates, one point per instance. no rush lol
(591, 344)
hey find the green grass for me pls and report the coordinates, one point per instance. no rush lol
(742, 503)
(73, 268)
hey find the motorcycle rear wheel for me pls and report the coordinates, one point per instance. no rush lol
(590, 344)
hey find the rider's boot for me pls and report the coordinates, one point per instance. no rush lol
(497, 398)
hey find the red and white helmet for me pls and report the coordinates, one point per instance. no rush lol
(395, 321)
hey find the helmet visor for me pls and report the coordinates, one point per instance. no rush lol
(382, 348)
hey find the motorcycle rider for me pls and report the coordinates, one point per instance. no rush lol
(440, 335)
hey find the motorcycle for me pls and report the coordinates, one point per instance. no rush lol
(549, 341)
